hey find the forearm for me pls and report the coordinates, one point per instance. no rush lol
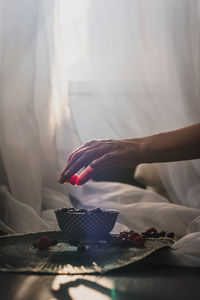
(181, 144)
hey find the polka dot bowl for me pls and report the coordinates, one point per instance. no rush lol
(86, 225)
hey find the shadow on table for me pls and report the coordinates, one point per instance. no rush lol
(138, 281)
(94, 287)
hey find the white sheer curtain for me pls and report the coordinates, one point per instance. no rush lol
(152, 47)
(36, 133)
(143, 59)
(143, 56)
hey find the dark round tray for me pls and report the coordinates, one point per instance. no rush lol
(17, 254)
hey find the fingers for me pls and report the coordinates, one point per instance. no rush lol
(77, 153)
(85, 155)
(72, 158)
(80, 153)
(85, 175)
(74, 153)
(84, 159)
(105, 161)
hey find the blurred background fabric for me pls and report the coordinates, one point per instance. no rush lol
(83, 69)
(36, 130)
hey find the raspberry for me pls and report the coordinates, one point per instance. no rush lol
(44, 243)
(133, 235)
(123, 235)
(150, 230)
(139, 241)
(73, 180)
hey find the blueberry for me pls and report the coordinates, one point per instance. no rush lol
(155, 235)
(171, 235)
(162, 233)
(144, 234)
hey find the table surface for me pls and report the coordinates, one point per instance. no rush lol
(139, 281)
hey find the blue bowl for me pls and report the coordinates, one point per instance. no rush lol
(86, 225)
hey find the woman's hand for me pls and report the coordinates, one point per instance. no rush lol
(103, 154)
(176, 145)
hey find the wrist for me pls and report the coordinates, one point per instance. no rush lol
(148, 149)
(143, 150)
(139, 149)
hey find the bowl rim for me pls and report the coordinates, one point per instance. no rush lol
(88, 211)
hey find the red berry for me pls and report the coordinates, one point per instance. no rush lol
(133, 235)
(152, 229)
(44, 243)
(73, 179)
(139, 241)
(123, 235)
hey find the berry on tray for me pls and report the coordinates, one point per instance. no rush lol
(150, 230)
(123, 235)
(44, 243)
(139, 241)
(171, 235)
(131, 238)
(162, 234)
(133, 235)
(155, 235)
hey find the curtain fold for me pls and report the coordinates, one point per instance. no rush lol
(144, 60)
(36, 132)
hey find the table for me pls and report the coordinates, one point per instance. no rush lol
(141, 280)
